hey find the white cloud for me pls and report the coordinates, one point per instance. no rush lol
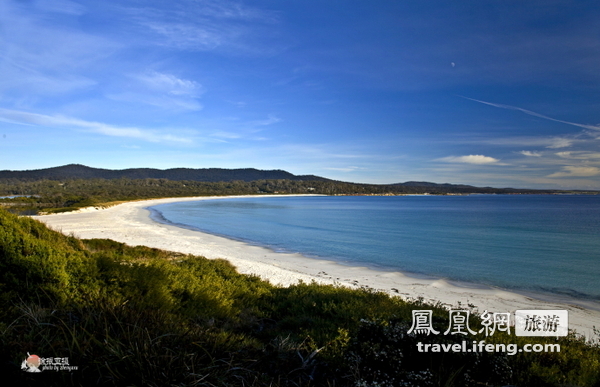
(201, 25)
(61, 6)
(189, 36)
(170, 84)
(240, 104)
(162, 90)
(91, 126)
(470, 159)
(161, 101)
(579, 155)
(226, 135)
(232, 10)
(527, 141)
(559, 142)
(271, 119)
(530, 153)
(41, 56)
(344, 169)
(35, 84)
(573, 171)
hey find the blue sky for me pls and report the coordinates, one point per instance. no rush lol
(497, 93)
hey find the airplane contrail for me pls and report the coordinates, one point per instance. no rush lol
(593, 127)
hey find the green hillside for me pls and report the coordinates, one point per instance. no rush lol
(136, 316)
(78, 171)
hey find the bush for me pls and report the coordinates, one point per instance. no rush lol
(140, 316)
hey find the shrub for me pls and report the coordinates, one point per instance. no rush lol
(141, 316)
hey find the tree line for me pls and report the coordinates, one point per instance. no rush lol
(56, 195)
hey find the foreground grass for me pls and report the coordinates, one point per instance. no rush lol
(136, 316)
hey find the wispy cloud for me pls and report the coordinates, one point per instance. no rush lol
(579, 155)
(551, 142)
(41, 56)
(530, 153)
(224, 135)
(201, 25)
(575, 171)
(62, 6)
(270, 120)
(170, 84)
(501, 106)
(162, 90)
(225, 9)
(560, 142)
(157, 100)
(344, 169)
(470, 159)
(242, 130)
(27, 118)
(188, 36)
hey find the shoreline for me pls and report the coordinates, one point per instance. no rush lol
(131, 223)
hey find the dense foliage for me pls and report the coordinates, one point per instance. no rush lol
(136, 316)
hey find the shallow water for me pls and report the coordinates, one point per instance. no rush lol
(547, 243)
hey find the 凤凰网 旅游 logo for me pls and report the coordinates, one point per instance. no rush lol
(31, 364)
(34, 363)
(528, 322)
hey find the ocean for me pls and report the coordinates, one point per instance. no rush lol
(538, 243)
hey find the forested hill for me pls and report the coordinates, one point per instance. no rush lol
(169, 182)
(74, 186)
(77, 171)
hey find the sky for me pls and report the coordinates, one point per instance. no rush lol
(489, 93)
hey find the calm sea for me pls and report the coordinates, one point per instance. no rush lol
(542, 243)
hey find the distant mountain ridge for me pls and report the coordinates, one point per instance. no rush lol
(247, 175)
(78, 171)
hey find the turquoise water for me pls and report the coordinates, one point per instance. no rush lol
(542, 243)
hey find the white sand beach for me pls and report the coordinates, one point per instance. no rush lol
(130, 223)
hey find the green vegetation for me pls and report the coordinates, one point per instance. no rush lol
(136, 316)
(68, 195)
(74, 186)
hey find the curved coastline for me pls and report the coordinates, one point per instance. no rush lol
(131, 223)
(158, 217)
(542, 291)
